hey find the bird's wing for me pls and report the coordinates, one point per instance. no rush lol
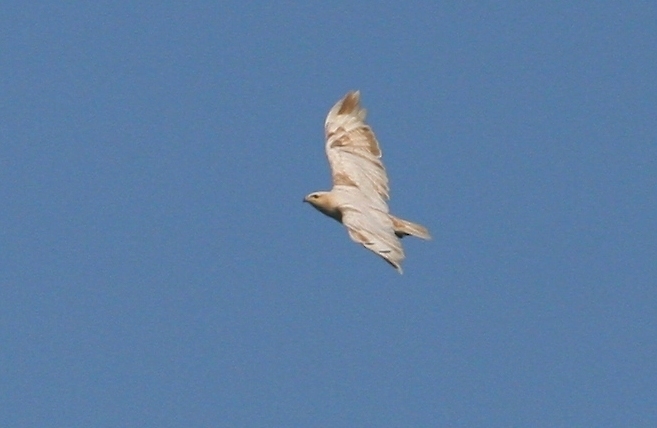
(369, 223)
(353, 151)
(374, 230)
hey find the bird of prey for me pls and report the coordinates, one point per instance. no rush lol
(359, 195)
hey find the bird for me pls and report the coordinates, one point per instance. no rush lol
(360, 193)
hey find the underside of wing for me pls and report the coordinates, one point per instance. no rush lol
(352, 149)
(374, 230)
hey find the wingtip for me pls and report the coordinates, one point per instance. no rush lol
(396, 265)
(350, 103)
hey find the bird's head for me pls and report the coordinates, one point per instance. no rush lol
(324, 203)
(316, 199)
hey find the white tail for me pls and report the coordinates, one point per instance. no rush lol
(405, 228)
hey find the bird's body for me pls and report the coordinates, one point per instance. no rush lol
(360, 190)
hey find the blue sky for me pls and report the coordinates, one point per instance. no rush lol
(158, 269)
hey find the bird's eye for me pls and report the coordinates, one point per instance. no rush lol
(314, 196)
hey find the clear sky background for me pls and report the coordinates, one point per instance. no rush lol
(158, 268)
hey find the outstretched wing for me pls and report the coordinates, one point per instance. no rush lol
(352, 149)
(360, 183)
(374, 230)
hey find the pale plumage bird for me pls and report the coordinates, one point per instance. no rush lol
(359, 195)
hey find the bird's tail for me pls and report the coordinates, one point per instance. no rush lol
(405, 228)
